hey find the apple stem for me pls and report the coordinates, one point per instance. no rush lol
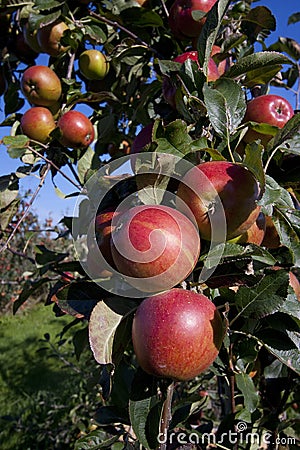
(166, 415)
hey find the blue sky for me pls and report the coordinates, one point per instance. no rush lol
(48, 203)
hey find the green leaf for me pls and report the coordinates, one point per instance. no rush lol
(254, 61)
(7, 213)
(29, 288)
(263, 299)
(45, 257)
(139, 411)
(294, 18)
(18, 142)
(290, 129)
(253, 161)
(287, 45)
(141, 17)
(226, 106)
(257, 20)
(246, 386)
(274, 194)
(95, 440)
(287, 235)
(210, 32)
(102, 327)
(9, 189)
(262, 75)
(88, 164)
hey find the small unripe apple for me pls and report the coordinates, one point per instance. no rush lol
(181, 20)
(37, 123)
(41, 86)
(177, 334)
(220, 185)
(155, 246)
(270, 109)
(255, 234)
(49, 37)
(93, 64)
(77, 130)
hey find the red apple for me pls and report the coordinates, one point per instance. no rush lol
(156, 245)
(37, 123)
(270, 109)
(93, 64)
(255, 234)
(41, 86)
(49, 37)
(169, 90)
(177, 334)
(220, 181)
(181, 21)
(77, 130)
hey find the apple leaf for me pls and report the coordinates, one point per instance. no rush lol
(139, 411)
(259, 60)
(77, 299)
(246, 386)
(9, 189)
(294, 18)
(261, 75)
(290, 129)
(275, 194)
(263, 299)
(253, 161)
(210, 31)
(88, 164)
(7, 212)
(103, 324)
(258, 21)
(177, 136)
(287, 235)
(288, 46)
(95, 440)
(142, 17)
(226, 106)
(29, 288)
(19, 142)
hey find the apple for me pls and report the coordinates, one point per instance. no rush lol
(271, 238)
(222, 65)
(177, 334)
(255, 234)
(49, 37)
(30, 37)
(93, 64)
(169, 90)
(77, 130)
(37, 123)
(156, 245)
(215, 181)
(294, 283)
(41, 86)
(270, 109)
(181, 22)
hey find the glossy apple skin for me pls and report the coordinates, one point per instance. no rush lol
(169, 90)
(37, 123)
(255, 234)
(181, 22)
(41, 86)
(49, 37)
(237, 189)
(155, 244)
(271, 109)
(93, 64)
(177, 334)
(77, 129)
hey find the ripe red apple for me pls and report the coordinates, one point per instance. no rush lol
(41, 86)
(271, 238)
(93, 64)
(181, 21)
(255, 234)
(157, 245)
(169, 90)
(77, 130)
(270, 109)
(216, 181)
(37, 123)
(49, 37)
(222, 66)
(177, 334)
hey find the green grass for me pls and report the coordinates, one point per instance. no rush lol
(37, 390)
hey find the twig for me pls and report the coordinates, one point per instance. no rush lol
(115, 24)
(21, 254)
(164, 7)
(166, 416)
(27, 209)
(48, 161)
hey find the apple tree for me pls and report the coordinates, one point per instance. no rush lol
(185, 241)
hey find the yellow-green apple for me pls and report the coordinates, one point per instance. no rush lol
(155, 245)
(177, 334)
(37, 123)
(41, 86)
(255, 234)
(169, 90)
(270, 109)
(217, 187)
(76, 129)
(93, 64)
(49, 37)
(181, 21)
